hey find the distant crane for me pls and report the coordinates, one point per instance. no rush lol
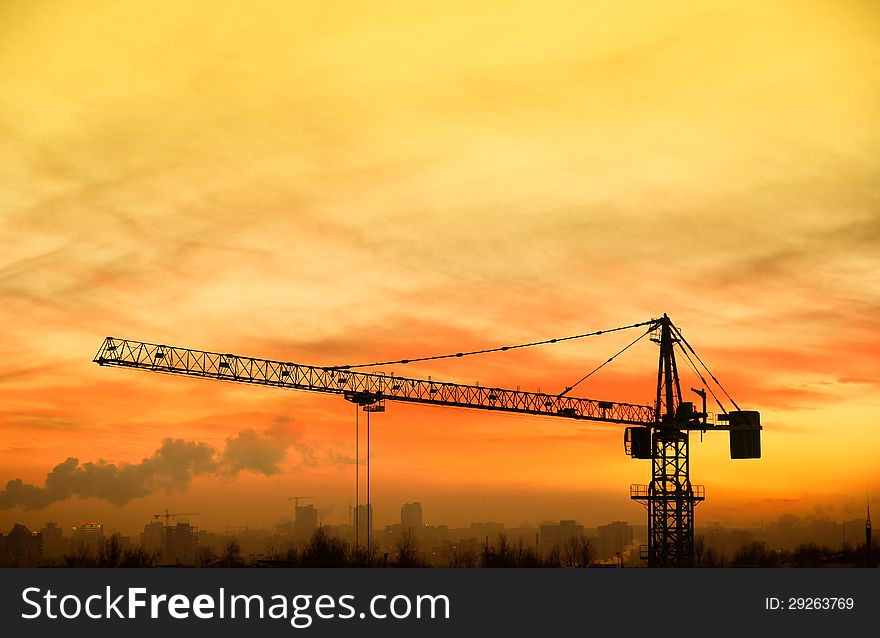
(658, 432)
(168, 516)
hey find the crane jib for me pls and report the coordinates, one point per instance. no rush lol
(361, 387)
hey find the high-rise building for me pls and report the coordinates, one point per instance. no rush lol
(87, 536)
(306, 521)
(181, 544)
(613, 538)
(488, 530)
(411, 516)
(152, 538)
(53, 541)
(556, 535)
(20, 547)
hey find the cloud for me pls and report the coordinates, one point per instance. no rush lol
(247, 450)
(171, 468)
(309, 454)
(336, 458)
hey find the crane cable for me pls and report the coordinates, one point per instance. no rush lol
(651, 322)
(705, 383)
(714, 378)
(602, 365)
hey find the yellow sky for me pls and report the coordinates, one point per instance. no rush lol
(330, 182)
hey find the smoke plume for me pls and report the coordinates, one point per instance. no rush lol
(171, 468)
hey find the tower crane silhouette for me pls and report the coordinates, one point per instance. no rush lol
(658, 432)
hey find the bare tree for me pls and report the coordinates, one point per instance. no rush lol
(137, 556)
(232, 554)
(577, 551)
(554, 557)
(757, 554)
(324, 550)
(407, 548)
(206, 557)
(460, 555)
(110, 551)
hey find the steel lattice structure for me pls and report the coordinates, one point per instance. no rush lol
(658, 432)
(362, 387)
(670, 497)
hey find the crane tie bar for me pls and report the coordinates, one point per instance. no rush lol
(456, 355)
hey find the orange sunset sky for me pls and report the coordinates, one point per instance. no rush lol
(339, 182)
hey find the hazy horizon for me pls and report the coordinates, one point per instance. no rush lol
(455, 508)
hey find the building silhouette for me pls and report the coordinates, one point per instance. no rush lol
(306, 521)
(20, 547)
(411, 515)
(87, 537)
(181, 544)
(613, 539)
(153, 537)
(54, 545)
(482, 531)
(556, 535)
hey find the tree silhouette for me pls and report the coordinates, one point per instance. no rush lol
(206, 557)
(407, 550)
(324, 550)
(578, 551)
(706, 555)
(110, 551)
(554, 556)
(505, 554)
(460, 555)
(756, 554)
(81, 557)
(232, 555)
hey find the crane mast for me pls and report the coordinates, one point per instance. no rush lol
(658, 432)
(670, 497)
